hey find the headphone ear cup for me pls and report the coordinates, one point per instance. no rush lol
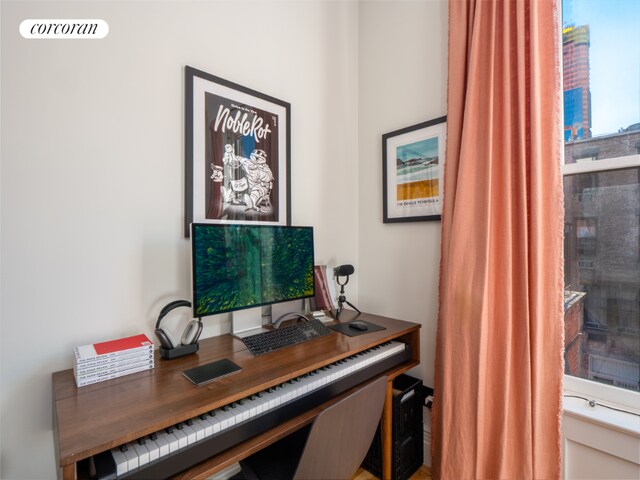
(166, 339)
(191, 332)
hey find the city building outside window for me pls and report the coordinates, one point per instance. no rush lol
(601, 171)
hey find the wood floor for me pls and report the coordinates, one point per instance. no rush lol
(423, 473)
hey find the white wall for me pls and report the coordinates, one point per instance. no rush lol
(92, 172)
(402, 81)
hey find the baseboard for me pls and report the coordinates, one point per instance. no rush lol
(426, 436)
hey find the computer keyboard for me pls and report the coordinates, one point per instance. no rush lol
(285, 336)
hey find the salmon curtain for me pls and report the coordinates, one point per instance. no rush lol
(499, 344)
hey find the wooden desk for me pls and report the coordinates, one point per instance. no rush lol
(98, 417)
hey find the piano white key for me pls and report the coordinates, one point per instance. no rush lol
(251, 404)
(277, 398)
(132, 458)
(339, 371)
(181, 436)
(303, 385)
(299, 389)
(210, 421)
(270, 397)
(153, 447)
(239, 414)
(291, 391)
(162, 441)
(141, 452)
(232, 417)
(285, 393)
(254, 403)
(314, 382)
(216, 421)
(171, 437)
(200, 425)
(190, 432)
(122, 465)
(224, 419)
(243, 411)
(279, 395)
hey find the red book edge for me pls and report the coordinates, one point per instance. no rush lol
(122, 344)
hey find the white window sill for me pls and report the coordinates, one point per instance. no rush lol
(603, 395)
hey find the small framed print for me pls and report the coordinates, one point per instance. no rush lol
(237, 153)
(412, 172)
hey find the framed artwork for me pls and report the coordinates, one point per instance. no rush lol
(237, 152)
(412, 172)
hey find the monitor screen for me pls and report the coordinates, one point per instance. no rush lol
(244, 266)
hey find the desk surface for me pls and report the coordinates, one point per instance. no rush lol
(101, 416)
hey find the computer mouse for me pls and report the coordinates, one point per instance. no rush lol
(357, 325)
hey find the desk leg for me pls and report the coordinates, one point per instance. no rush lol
(69, 472)
(387, 431)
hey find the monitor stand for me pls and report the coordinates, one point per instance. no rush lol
(280, 311)
(247, 322)
(251, 320)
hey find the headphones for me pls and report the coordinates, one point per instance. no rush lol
(191, 332)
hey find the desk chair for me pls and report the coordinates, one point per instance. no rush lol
(333, 446)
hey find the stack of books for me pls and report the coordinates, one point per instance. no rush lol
(106, 360)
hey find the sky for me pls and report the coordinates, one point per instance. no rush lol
(614, 57)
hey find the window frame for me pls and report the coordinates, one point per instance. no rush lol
(603, 394)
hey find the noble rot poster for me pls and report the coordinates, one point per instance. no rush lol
(242, 169)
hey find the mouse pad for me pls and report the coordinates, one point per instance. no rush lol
(352, 332)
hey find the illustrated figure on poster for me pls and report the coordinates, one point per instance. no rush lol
(237, 185)
(252, 186)
(217, 175)
(260, 180)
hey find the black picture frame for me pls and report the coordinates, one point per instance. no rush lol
(237, 153)
(412, 172)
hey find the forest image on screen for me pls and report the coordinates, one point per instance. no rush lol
(240, 266)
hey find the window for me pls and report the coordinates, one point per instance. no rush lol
(601, 62)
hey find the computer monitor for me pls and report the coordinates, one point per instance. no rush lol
(239, 266)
